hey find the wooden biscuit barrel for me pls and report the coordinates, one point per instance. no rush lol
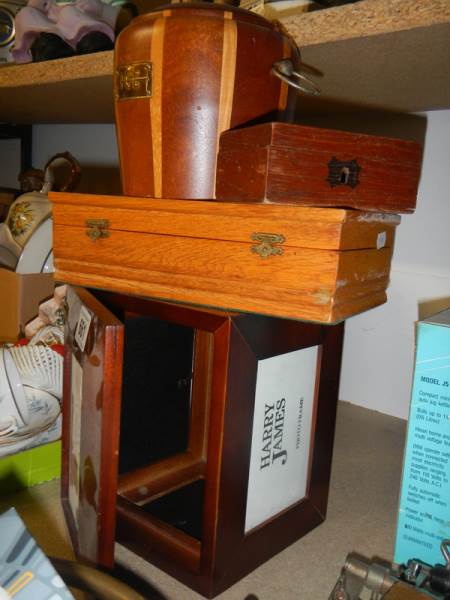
(183, 74)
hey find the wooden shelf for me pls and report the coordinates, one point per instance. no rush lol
(70, 90)
(379, 54)
(382, 54)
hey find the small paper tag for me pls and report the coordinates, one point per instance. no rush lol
(381, 240)
(82, 329)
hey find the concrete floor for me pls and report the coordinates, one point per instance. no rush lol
(361, 518)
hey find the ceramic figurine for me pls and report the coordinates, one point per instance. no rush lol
(52, 312)
(28, 211)
(48, 29)
(26, 235)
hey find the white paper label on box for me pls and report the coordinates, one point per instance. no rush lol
(82, 329)
(75, 436)
(381, 240)
(281, 437)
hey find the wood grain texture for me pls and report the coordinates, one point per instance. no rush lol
(157, 53)
(403, 42)
(334, 262)
(140, 531)
(366, 18)
(286, 163)
(211, 70)
(137, 113)
(226, 79)
(303, 227)
(274, 534)
(225, 552)
(287, 304)
(148, 483)
(90, 462)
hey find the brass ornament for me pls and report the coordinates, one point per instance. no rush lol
(265, 247)
(97, 228)
(133, 81)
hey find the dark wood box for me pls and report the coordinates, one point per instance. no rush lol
(249, 405)
(294, 164)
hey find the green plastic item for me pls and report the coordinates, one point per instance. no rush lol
(28, 468)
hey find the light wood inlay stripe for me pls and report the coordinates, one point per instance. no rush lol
(282, 101)
(229, 51)
(157, 57)
(123, 163)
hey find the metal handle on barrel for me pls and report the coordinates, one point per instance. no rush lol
(284, 70)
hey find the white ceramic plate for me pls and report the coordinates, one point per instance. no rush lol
(16, 387)
(51, 434)
(36, 252)
(43, 409)
(9, 411)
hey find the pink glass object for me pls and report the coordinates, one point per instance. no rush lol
(70, 22)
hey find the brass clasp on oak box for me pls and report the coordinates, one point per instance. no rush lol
(97, 228)
(265, 248)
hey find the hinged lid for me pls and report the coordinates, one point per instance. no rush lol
(317, 139)
(287, 163)
(302, 227)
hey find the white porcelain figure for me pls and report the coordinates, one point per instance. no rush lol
(26, 239)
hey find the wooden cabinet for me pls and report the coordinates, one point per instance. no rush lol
(213, 452)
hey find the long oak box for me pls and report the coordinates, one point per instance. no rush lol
(294, 164)
(303, 263)
(200, 439)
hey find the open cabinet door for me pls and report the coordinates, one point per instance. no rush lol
(91, 423)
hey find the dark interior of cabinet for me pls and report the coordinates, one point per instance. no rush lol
(182, 508)
(156, 391)
(157, 387)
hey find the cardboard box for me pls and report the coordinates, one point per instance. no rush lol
(424, 510)
(20, 298)
(30, 467)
